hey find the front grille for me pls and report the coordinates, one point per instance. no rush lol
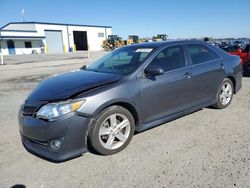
(29, 110)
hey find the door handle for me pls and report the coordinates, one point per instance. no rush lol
(222, 66)
(188, 75)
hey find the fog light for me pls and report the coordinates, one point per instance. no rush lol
(55, 144)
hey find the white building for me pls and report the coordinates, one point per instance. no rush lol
(40, 37)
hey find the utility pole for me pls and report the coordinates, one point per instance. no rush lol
(88, 51)
(1, 53)
(23, 18)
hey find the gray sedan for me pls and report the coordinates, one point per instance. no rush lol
(136, 87)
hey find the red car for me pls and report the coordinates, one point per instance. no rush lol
(244, 54)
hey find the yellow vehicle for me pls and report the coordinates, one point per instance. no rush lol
(160, 37)
(141, 40)
(132, 39)
(113, 42)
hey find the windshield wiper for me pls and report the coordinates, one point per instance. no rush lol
(94, 70)
(83, 67)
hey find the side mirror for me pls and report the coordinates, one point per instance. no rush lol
(153, 70)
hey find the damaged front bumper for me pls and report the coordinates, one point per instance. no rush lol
(56, 141)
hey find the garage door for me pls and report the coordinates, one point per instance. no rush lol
(54, 41)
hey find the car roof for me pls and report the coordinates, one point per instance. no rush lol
(164, 43)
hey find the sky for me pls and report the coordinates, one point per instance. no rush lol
(176, 18)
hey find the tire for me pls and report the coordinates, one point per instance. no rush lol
(224, 94)
(112, 132)
(246, 69)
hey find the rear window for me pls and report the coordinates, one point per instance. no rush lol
(201, 54)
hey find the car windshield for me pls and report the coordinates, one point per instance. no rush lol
(121, 61)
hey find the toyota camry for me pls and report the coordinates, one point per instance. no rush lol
(100, 106)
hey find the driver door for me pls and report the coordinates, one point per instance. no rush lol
(170, 92)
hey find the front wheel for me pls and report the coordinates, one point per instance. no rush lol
(112, 131)
(224, 94)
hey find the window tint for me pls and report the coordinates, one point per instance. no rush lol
(170, 58)
(200, 53)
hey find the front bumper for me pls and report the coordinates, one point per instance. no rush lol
(71, 130)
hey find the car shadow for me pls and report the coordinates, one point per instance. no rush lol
(18, 186)
(91, 150)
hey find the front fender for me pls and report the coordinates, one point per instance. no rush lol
(115, 102)
(125, 92)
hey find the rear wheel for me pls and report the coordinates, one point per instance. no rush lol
(113, 130)
(246, 69)
(224, 94)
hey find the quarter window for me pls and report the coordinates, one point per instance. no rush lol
(170, 58)
(200, 53)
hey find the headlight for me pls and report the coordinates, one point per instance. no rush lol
(52, 111)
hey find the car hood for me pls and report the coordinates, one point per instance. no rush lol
(66, 85)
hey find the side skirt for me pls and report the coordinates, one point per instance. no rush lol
(170, 117)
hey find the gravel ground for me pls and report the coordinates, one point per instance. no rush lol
(25, 59)
(208, 148)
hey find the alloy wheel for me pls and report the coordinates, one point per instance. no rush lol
(226, 93)
(114, 131)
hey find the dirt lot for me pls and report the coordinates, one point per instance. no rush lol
(209, 148)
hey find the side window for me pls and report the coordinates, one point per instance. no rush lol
(201, 54)
(170, 58)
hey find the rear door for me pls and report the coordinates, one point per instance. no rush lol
(207, 73)
(170, 92)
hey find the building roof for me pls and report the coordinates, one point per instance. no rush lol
(47, 23)
(4, 37)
